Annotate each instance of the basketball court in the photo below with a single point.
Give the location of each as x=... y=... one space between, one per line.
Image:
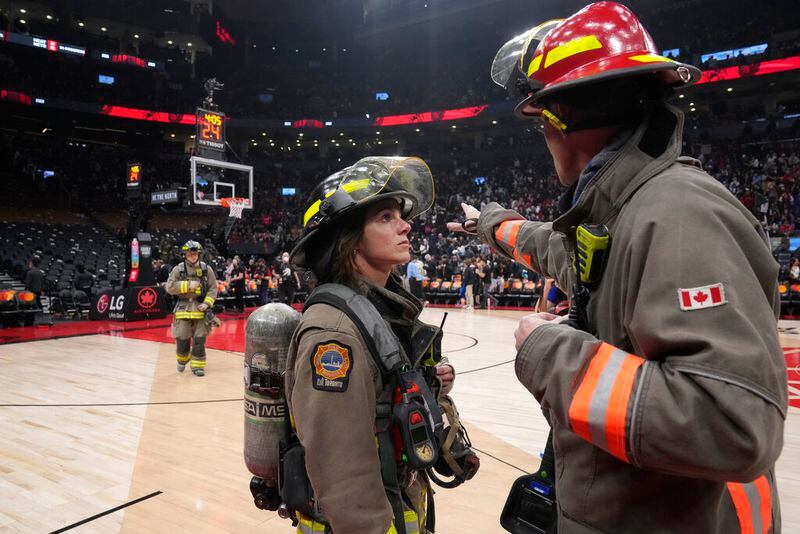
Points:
x=101 y=434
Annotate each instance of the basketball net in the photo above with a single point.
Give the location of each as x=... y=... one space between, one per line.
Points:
x=235 y=204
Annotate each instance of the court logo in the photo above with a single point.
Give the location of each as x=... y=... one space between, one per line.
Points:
x=147 y=298
x=102 y=303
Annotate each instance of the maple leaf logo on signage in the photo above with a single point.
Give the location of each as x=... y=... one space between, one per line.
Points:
x=147 y=298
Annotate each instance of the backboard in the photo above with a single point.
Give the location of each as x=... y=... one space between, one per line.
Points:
x=213 y=180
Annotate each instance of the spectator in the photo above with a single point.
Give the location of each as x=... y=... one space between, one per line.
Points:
x=237 y=284
x=288 y=280
x=34 y=279
x=160 y=272
x=262 y=273
x=552 y=299
x=794 y=271
x=414 y=277
x=83 y=281
x=486 y=274
x=470 y=280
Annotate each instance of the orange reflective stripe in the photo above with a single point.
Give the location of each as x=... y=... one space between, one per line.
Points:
x=618 y=406
x=579 y=408
x=599 y=409
x=524 y=259
x=507 y=232
x=742 y=506
x=753 y=505
x=765 y=496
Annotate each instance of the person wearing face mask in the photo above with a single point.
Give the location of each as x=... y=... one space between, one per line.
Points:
x=353 y=354
x=666 y=386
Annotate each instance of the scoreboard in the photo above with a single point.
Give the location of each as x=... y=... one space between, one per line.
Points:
x=210 y=130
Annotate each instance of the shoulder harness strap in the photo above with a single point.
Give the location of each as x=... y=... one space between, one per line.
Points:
x=385 y=350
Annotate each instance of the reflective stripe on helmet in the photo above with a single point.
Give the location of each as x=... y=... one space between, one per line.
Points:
x=571 y=48
x=534 y=66
x=348 y=187
x=650 y=58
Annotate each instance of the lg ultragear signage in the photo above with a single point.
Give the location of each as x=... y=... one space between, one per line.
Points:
x=130 y=304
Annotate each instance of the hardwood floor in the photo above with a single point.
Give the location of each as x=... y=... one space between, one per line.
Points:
x=91 y=423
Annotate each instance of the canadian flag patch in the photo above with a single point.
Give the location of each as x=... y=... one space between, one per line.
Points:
x=698 y=298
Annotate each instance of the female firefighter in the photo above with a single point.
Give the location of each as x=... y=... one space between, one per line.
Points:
x=356 y=234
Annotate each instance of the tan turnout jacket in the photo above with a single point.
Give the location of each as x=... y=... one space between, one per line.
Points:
x=186 y=307
x=335 y=417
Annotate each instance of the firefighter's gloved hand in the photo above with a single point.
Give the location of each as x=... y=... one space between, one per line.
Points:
x=194 y=284
x=203 y=307
x=531 y=322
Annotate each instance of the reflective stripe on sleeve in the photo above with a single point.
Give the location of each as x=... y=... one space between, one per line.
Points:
x=599 y=408
x=507 y=232
x=753 y=504
x=209 y=300
x=524 y=259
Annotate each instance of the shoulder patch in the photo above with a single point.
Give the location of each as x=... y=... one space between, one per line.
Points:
x=331 y=365
x=697 y=298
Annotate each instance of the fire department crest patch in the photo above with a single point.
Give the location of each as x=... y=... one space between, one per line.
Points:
x=331 y=366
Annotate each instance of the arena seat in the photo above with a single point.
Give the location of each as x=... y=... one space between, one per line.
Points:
x=17 y=307
x=432 y=293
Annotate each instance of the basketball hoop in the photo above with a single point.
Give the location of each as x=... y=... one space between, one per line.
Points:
x=236 y=205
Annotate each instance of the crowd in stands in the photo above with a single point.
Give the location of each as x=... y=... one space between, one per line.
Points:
x=334 y=84
x=764 y=176
x=761 y=167
x=447 y=267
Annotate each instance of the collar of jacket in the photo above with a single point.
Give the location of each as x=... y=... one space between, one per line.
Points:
x=598 y=162
x=654 y=146
x=398 y=306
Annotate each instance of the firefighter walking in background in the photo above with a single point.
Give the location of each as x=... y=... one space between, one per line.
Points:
x=195 y=286
x=666 y=387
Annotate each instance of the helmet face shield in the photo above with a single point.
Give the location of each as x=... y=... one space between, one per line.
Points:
x=192 y=246
x=370 y=177
x=512 y=61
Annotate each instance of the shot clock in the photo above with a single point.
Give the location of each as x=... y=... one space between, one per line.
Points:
x=210 y=132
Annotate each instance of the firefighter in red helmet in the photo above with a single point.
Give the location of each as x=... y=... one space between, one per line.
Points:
x=666 y=385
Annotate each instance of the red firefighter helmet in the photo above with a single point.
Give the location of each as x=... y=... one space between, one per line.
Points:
x=602 y=41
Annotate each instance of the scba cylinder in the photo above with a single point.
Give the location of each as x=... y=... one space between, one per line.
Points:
x=267 y=336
